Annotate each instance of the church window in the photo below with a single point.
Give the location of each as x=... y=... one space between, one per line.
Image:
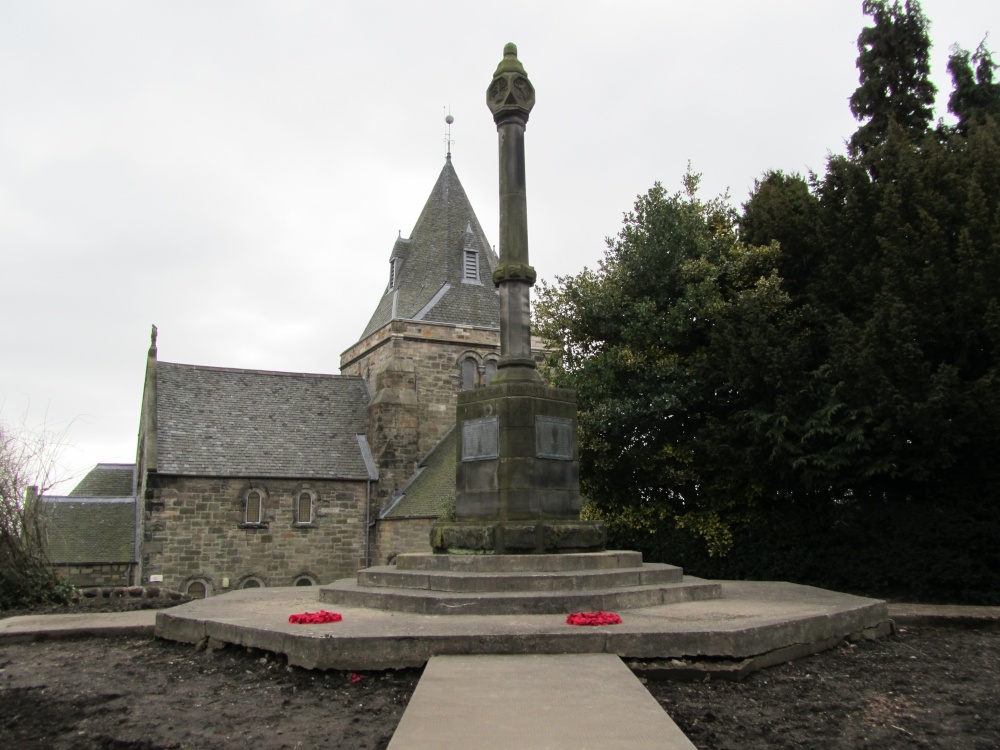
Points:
x=468 y=374
x=304 y=507
x=253 y=507
x=252 y=583
x=304 y=581
x=491 y=370
x=196 y=589
x=392 y=273
x=470 y=267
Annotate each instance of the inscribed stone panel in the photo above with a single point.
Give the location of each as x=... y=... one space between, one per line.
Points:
x=553 y=438
x=480 y=439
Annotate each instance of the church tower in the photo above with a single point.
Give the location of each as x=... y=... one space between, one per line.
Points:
x=435 y=331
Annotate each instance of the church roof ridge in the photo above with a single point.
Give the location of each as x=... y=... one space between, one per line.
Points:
x=254 y=371
x=86 y=499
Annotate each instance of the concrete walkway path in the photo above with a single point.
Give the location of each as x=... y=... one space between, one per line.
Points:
x=39 y=627
x=543 y=702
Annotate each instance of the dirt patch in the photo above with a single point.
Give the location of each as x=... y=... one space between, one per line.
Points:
x=923 y=688
x=143 y=694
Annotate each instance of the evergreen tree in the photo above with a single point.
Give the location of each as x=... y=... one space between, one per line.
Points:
x=894 y=73
x=818 y=378
x=975 y=95
x=667 y=342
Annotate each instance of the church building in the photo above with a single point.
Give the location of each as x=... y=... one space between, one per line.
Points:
x=249 y=478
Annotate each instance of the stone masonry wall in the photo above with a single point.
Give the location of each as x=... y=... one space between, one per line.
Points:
x=399 y=535
x=433 y=353
x=194 y=530
x=97 y=574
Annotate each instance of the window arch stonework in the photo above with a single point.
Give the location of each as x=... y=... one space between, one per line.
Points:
x=254 y=508
x=198 y=588
x=304 y=507
x=476 y=370
x=469 y=369
x=252 y=582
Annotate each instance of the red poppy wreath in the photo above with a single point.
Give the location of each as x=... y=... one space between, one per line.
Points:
x=593 y=618
x=314 y=618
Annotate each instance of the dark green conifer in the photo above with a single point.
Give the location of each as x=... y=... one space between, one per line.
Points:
x=894 y=73
x=974 y=96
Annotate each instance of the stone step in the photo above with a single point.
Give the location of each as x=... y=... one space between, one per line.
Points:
x=612 y=559
x=389 y=576
x=348 y=593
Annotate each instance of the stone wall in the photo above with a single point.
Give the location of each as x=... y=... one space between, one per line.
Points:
x=399 y=535
x=424 y=358
x=194 y=530
x=97 y=574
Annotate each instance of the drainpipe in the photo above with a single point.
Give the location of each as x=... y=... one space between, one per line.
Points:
x=368 y=524
x=366 y=455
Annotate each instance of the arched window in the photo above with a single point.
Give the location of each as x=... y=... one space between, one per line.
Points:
x=304 y=507
x=254 y=507
x=304 y=581
x=252 y=583
x=491 y=370
x=469 y=372
x=196 y=589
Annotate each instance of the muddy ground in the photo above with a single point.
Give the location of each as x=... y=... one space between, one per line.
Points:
x=922 y=688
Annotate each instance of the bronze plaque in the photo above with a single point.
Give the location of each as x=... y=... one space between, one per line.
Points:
x=480 y=439
x=554 y=438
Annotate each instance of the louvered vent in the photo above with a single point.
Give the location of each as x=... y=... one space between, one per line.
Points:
x=471 y=265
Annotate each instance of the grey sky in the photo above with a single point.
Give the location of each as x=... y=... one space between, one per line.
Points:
x=236 y=172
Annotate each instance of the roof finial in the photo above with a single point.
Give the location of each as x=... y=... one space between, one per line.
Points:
x=447 y=139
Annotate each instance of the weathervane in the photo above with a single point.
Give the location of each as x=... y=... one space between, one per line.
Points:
x=449 y=120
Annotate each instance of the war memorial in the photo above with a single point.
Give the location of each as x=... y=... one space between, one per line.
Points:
x=517 y=558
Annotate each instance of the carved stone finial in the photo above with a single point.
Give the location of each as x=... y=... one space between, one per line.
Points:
x=510 y=93
x=152 y=338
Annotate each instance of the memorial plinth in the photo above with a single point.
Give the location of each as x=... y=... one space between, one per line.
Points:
x=518 y=470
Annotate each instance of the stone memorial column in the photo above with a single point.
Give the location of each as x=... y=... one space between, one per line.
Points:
x=510 y=97
x=517 y=475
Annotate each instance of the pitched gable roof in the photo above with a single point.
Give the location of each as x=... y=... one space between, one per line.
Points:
x=429 y=267
x=431 y=491
x=106 y=480
x=88 y=530
x=226 y=422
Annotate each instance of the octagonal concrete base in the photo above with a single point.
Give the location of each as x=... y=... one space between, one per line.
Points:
x=761 y=622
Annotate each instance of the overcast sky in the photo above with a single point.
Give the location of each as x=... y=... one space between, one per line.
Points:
x=236 y=172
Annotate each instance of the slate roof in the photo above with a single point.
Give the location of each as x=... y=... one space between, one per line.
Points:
x=106 y=480
x=429 y=274
x=88 y=530
x=431 y=492
x=226 y=422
